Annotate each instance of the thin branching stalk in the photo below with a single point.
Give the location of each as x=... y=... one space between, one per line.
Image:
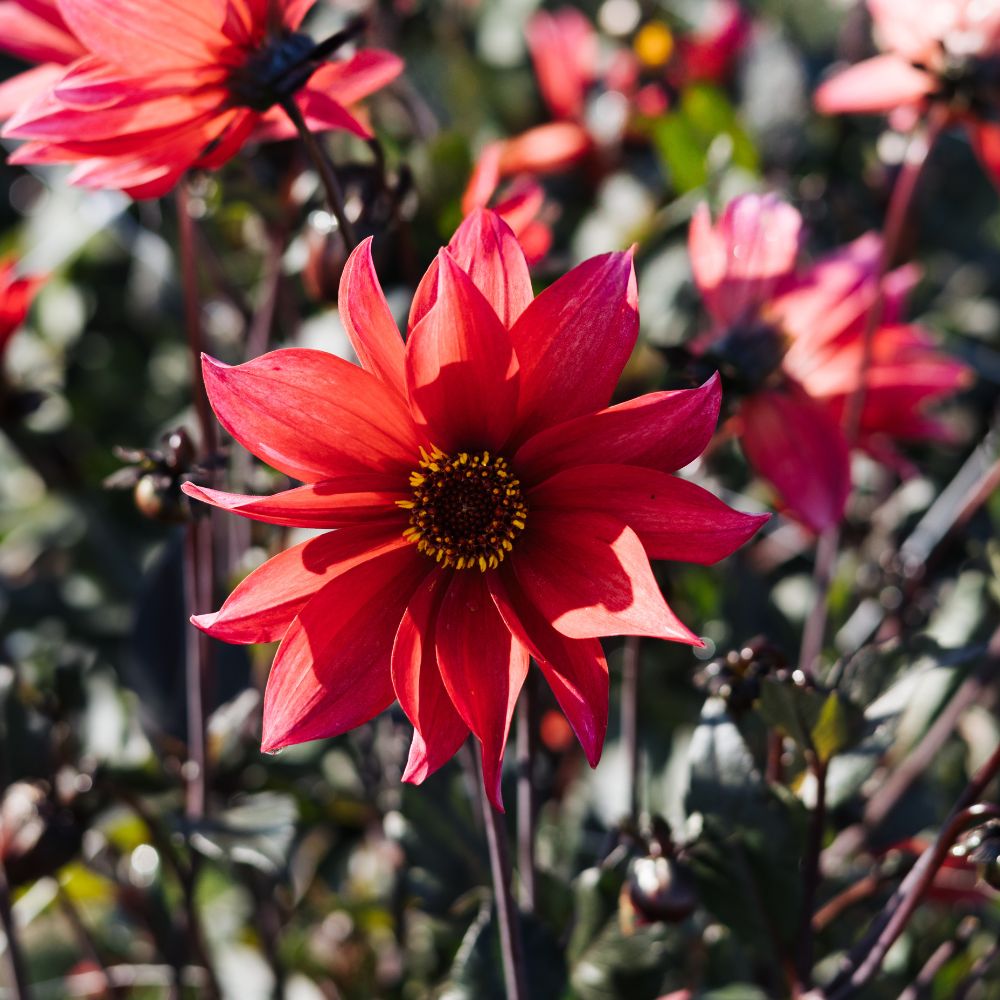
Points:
x=508 y=919
x=527 y=811
x=327 y=174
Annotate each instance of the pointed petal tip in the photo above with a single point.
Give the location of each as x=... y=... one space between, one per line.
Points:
x=205 y=622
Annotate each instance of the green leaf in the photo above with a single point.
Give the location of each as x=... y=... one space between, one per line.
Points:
x=822 y=723
x=839 y=727
x=701 y=135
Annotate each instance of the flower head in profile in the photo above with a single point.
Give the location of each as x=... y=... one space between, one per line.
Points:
x=485 y=504
x=941 y=53
x=163 y=87
x=16 y=296
x=793 y=343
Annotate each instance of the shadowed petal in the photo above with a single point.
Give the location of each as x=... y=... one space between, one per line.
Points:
x=332 y=669
x=438 y=729
x=312 y=415
x=795 y=443
x=330 y=504
x=573 y=340
x=575 y=669
x=368 y=321
x=881 y=83
x=661 y=430
x=460 y=368
x=673 y=518
x=263 y=606
x=589 y=576
x=483 y=668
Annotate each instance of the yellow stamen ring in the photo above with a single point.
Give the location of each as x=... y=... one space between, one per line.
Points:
x=467 y=509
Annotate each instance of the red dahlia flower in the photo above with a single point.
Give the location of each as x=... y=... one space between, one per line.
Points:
x=34 y=30
x=16 y=295
x=488 y=505
x=944 y=52
x=794 y=343
x=171 y=85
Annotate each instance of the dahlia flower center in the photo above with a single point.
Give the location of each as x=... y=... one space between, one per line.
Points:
x=750 y=354
x=467 y=509
x=274 y=71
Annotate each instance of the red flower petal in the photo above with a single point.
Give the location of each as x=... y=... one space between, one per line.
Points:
x=589 y=575
x=26 y=87
x=332 y=669
x=328 y=504
x=368 y=321
x=438 y=729
x=311 y=415
x=488 y=251
x=574 y=339
x=545 y=149
x=575 y=669
x=263 y=606
x=673 y=518
x=661 y=430
x=148 y=37
x=881 y=83
x=36 y=33
x=350 y=80
x=322 y=111
x=483 y=668
x=796 y=444
x=460 y=368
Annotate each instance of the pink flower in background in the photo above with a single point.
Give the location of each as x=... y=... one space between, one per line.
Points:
x=167 y=86
x=487 y=504
x=795 y=340
x=16 y=295
x=937 y=52
x=34 y=30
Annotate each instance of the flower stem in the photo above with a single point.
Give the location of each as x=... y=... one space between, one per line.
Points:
x=526 y=801
x=328 y=176
x=900 y=204
x=815 y=627
x=19 y=987
x=630 y=721
x=811 y=873
x=199 y=546
x=508 y=919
